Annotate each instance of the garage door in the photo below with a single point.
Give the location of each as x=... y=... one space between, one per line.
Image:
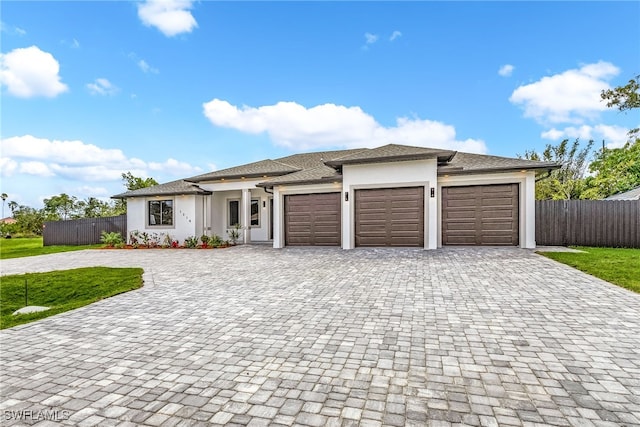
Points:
x=480 y=215
x=390 y=217
x=312 y=219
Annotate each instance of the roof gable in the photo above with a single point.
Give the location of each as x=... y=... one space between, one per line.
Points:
x=391 y=153
x=251 y=170
x=168 y=189
x=470 y=163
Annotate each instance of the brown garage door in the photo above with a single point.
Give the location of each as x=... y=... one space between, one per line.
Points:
x=312 y=219
x=480 y=215
x=390 y=217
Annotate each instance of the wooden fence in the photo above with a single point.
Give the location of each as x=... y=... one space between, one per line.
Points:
x=606 y=223
x=84 y=231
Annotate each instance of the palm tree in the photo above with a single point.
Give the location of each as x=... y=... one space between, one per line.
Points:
x=4 y=198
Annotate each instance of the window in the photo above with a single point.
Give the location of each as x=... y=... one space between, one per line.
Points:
x=234 y=213
x=161 y=212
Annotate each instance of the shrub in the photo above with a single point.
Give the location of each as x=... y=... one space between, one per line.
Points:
x=191 y=242
x=205 y=240
x=215 y=241
x=112 y=239
x=234 y=233
x=134 y=238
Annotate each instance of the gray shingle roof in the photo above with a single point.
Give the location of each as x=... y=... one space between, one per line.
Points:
x=474 y=163
x=318 y=174
x=633 y=194
x=307 y=168
x=168 y=189
x=312 y=160
x=252 y=170
x=392 y=152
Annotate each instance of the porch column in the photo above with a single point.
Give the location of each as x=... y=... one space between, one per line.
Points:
x=245 y=215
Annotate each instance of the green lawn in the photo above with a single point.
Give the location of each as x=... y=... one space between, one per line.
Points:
x=618 y=266
x=30 y=246
x=62 y=290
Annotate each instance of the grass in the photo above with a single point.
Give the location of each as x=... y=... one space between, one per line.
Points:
x=30 y=246
x=618 y=266
x=62 y=290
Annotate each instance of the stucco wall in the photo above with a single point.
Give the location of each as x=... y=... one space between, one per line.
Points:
x=394 y=174
x=219 y=210
x=186 y=216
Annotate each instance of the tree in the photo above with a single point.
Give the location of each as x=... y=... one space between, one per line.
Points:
x=132 y=183
x=94 y=208
x=615 y=170
x=625 y=97
x=4 y=197
x=29 y=220
x=62 y=206
x=13 y=206
x=568 y=181
x=135 y=183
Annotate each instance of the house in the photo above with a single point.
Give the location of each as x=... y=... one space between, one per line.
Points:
x=8 y=220
x=394 y=195
x=633 y=194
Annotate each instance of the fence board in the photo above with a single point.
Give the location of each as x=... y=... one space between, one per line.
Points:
x=85 y=231
x=606 y=223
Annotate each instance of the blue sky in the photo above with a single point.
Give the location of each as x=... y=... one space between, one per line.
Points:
x=171 y=89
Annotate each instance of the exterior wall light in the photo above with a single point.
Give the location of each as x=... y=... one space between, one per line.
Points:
x=346 y=196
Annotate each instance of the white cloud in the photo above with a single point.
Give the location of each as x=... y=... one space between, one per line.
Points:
x=11 y=30
x=174 y=167
x=294 y=126
x=569 y=97
x=86 y=190
x=68 y=152
x=77 y=160
x=146 y=68
x=35 y=168
x=395 y=35
x=29 y=72
x=171 y=17
x=506 y=70
x=102 y=86
x=7 y=166
x=370 y=38
x=614 y=136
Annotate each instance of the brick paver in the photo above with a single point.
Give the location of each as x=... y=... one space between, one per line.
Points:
x=257 y=336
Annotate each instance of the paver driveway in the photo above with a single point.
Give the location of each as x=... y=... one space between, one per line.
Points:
x=252 y=335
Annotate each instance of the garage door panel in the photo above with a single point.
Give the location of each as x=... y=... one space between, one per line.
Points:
x=480 y=215
x=389 y=216
x=497 y=201
x=497 y=214
x=312 y=219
